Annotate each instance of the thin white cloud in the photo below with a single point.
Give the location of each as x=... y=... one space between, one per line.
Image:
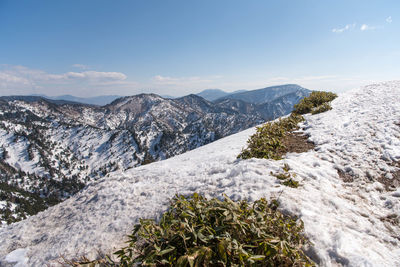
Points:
x=317 y=78
x=25 y=73
x=363 y=27
x=366 y=27
x=81 y=66
x=12 y=79
x=182 y=81
x=23 y=80
x=164 y=79
x=94 y=76
x=345 y=28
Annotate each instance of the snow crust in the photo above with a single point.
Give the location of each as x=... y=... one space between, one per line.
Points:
x=17 y=257
x=344 y=220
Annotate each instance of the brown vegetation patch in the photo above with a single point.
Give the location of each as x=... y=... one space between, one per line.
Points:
x=391 y=184
x=394 y=182
x=295 y=142
x=346 y=177
x=393 y=219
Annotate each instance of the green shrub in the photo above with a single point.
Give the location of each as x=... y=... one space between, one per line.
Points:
x=303 y=107
x=281 y=176
x=313 y=101
x=200 y=232
x=286 y=177
x=267 y=141
x=322 y=108
x=291 y=183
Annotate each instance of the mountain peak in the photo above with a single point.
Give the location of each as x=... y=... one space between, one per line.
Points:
x=212 y=94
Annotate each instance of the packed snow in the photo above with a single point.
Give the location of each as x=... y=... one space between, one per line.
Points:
x=345 y=220
x=17 y=257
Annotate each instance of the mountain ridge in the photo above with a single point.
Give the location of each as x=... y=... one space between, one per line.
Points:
x=96 y=100
x=263 y=95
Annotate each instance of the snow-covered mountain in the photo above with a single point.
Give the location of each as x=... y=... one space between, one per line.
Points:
x=265 y=95
x=257 y=97
x=96 y=100
x=348 y=198
x=49 y=149
x=277 y=106
x=212 y=94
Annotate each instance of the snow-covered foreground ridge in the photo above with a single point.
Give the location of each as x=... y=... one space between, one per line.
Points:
x=346 y=221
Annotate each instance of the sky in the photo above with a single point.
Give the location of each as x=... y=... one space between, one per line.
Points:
x=177 y=47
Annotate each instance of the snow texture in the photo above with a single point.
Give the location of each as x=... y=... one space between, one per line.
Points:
x=344 y=220
x=17 y=257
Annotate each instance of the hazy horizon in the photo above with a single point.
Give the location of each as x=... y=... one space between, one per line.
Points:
x=149 y=92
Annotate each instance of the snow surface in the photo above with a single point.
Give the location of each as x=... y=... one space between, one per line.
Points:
x=344 y=220
x=17 y=257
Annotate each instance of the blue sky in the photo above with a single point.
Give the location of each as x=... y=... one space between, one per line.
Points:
x=96 y=47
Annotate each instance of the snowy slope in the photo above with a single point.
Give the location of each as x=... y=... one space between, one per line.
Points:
x=348 y=222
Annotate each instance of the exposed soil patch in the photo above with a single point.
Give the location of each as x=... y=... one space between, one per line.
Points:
x=393 y=219
x=295 y=142
x=392 y=223
x=275 y=139
x=346 y=177
x=391 y=184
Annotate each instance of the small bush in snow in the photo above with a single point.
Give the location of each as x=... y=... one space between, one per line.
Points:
x=322 y=108
x=200 y=232
x=313 y=103
x=286 y=177
x=267 y=141
x=291 y=183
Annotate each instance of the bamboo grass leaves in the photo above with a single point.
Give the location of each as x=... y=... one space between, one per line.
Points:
x=200 y=232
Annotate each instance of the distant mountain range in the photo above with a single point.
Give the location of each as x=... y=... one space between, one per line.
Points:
x=263 y=95
x=208 y=94
x=254 y=96
x=96 y=100
x=49 y=149
x=214 y=94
